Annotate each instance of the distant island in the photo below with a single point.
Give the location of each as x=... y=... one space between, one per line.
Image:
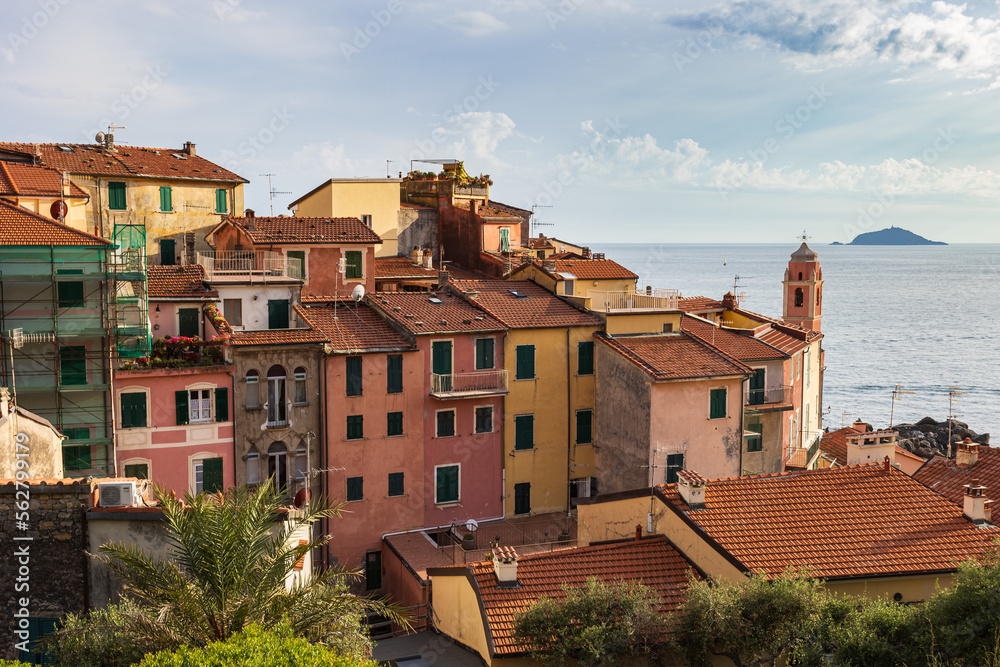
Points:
x=892 y=236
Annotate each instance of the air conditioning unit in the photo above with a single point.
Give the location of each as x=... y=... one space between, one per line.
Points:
x=118 y=494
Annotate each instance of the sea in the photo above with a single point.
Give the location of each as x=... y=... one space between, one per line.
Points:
x=921 y=317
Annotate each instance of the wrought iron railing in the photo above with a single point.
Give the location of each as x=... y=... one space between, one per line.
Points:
x=476 y=382
x=241 y=264
x=768 y=396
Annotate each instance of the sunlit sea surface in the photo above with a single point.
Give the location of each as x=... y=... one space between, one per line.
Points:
x=924 y=317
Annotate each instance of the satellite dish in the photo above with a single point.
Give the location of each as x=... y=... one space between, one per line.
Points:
x=302 y=497
x=99 y=137
x=472 y=525
x=59 y=209
x=358 y=293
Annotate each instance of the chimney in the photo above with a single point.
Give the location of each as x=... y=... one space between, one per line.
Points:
x=248 y=213
x=416 y=256
x=691 y=486
x=873 y=447
x=428 y=259
x=549 y=264
x=859 y=425
x=474 y=206
x=505 y=566
x=443 y=278
x=967 y=454
x=109 y=141
x=189 y=148
x=586 y=253
x=975 y=506
x=729 y=301
x=471 y=294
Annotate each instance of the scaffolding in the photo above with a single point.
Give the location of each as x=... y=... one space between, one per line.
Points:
x=129 y=302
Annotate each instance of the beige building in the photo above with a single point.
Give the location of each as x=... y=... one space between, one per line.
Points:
x=374 y=201
x=28 y=443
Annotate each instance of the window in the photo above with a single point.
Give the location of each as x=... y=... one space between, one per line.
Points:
x=584 y=427
x=441 y=365
x=79 y=433
x=277 y=314
x=73 y=364
x=277 y=464
x=199 y=406
x=353 y=268
x=525 y=366
x=668 y=327
x=394 y=374
x=484 y=419
x=675 y=463
x=585 y=357
x=568 y=287
x=354 y=385
x=753 y=436
x=70 y=293
x=355 y=427
x=221 y=201
x=522 y=498
x=253 y=468
x=373 y=570
x=798 y=297
x=38 y=629
x=296 y=263
x=166 y=199
x=76 y=457
x=116 y=196
x=394 y=423
x=137 y=470
x=395 y=484
x=367 y=219
x=300 y=386
x=445 y=423
x=717 y=404
x=168 y=252
x=756 y=395
x=208 y=475
x=807 y=367
x=446 y=483
x=277 y=407
x=355 y=488
x=524 y=432
x=301 y=462
x=134 y=410
x=484 y=353
x=504 y=239
x=222 y=404
x=187 y=322
x=253 y=389
x=232 y=310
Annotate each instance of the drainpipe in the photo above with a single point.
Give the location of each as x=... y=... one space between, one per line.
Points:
x=570 y=447
x=744 y=388
x=236 y=457
x=324 y=525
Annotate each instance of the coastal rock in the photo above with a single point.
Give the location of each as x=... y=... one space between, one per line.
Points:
x=929 y=437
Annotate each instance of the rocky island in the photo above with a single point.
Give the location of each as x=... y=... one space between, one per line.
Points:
x=892 y=236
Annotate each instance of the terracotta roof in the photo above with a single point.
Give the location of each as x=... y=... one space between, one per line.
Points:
x=539 y=309
x=698 y=304
x=739 y=346
x=585 y=269
x=354 y=327
x=406 y=204
x=401 y=267
x=124 y=161
x=834 y=444
x=788 y=327
x=418 y=314
x=21 y=227
x=179 y=282
x=520 y=212
x=306 y=230
x=652 y=561
x=28 y=180
x=674 y=356
x=786 y=341
x=277 y=337
x=852 y=521
x=943 y=476
x=493 y=212
x=538 y=243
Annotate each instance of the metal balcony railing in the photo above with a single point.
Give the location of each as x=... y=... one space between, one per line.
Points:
x=476 y=383
x=653 y=299
x=768 y=396
x=242 y=265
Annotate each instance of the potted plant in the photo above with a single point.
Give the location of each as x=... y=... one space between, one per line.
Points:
x=469 y=541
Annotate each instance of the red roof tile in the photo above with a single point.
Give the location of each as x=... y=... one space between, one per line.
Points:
x=674 y=356
x=943 y=476
x=653 y=562
x=21 y=227
x=27 y=180
x=124 y=161
x=739 y=346
x=418 y=314
x=354 y=327
x=401 y=267
x=842 y=522
x=698 y=304
x=834 y=444
x=277 y=337
x=538 y=309
x=179 y=282
x=306 y=230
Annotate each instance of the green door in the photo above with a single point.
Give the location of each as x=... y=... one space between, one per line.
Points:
x=168 y=250
x=441 y=363
x=187 y=322
x=757 y=387
x=211 y=471
x=277 y=314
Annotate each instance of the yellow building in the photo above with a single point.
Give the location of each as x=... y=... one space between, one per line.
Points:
x=548 y=421
x=592 y=279
x=374 y=201
x=174 y=193
x=45 y=191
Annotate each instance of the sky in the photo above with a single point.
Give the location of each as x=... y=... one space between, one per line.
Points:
x=621 y=121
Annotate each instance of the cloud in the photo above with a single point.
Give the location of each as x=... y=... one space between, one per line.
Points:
x=477 y=133
x=474 y=24
x=324 y=158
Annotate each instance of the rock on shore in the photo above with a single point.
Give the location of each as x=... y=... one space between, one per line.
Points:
x=928 y=437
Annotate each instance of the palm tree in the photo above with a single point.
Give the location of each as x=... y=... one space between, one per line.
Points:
x=229 y=559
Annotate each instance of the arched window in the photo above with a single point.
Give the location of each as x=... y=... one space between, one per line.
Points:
x=277 y=408
x=277 y=464
x=253 y=389
x=800 y=275
x=799 y=297
x=301 y=462
x=819 y=296
x=300 y=385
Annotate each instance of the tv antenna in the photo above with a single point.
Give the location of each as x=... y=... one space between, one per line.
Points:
x=534 y=223
x=738 y=285
x=953 y=394
x=896 y=393
x=272 y=191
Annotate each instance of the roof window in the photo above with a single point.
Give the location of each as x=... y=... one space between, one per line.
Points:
x=435 y=301
x=66 y=149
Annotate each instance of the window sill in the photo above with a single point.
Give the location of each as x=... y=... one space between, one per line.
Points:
x=442 y=437
x=524 y=379
x=448 y=504
x=300 y=405
x=524 y=449
x=361 y=439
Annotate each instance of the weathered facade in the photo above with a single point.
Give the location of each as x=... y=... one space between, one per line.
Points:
x=28 y=443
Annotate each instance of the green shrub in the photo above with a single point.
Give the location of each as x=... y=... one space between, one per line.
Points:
x=100 y=639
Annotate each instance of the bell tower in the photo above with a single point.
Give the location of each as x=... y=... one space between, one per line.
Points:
x=803 y=289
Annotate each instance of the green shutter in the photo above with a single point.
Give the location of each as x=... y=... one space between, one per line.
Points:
x=277 y=314
x=373 y=570
x=181 y=402
x=394 y=423
x=166 y=199
x=116 y=196
x=584 y=427
x=134 y=410
x=76 y=457
x=355 y=427
x=585 y=360
x=524 y=432
x=394 y=374
x=168 y=252
x=441 y=357
x=221 y=404
x=355 y=385
x=396 y=484
x=717 y=404
x=70 y=293
x=211 y=475
x=525 y=368
x=447 y=484
x=355 y=488
x=221 y=201
x=354 y=268
x=137 y=470
x=187 y=321
x=484 y=353
x=73 y=364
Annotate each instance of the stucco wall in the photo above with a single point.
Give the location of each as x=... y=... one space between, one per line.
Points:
x=254 y=300
x=35 y=444
x=417 y=227
x=622 y=422
x=355 y=198
x=457 y=613
x=630 y=323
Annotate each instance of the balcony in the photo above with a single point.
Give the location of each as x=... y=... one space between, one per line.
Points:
x=252 y=266
x=803 y=457
x=649 y=300
x=467 y=385
x=772 y=399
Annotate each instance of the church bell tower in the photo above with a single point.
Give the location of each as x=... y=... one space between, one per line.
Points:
x=803 y=289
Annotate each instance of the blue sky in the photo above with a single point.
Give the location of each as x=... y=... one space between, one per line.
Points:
x=635 y=121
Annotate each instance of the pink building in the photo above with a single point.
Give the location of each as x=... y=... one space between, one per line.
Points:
x=177 y=298
x=463 y=386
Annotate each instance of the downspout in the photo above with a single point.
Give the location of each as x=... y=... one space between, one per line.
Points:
x=236 y=457
x=570 y=448
x=744 y=388
x=324 y=525
x=503 y=434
